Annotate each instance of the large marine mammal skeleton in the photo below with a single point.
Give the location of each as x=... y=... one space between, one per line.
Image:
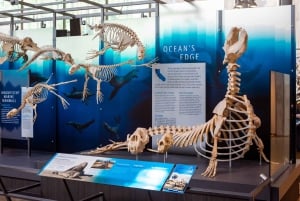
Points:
x=15 y=48
x=117 y=37
x=227 y=136
x=37 y=94
x=99 y=73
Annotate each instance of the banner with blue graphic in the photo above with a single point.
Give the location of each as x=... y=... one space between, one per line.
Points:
x=11 y=96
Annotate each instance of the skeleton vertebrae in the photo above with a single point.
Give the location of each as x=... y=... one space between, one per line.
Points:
x=117 y=37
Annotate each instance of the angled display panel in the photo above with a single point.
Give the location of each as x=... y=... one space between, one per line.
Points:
x=112 y=171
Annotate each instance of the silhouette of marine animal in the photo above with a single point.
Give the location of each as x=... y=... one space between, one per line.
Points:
x=113 y=130
x=119 y=81
x=80 y=126
x=77 y=94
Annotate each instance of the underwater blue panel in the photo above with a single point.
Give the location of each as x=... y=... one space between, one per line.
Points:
x=271 y=47
x=41 y=71
x=188 y=33
x=78 y=127
x=127 y=97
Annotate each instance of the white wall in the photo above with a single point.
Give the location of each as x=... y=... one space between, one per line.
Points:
x=229 y=4
x=297 y=23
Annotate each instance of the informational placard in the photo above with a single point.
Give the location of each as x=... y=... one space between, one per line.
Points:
x=26 y=117
x=179 y=178
x=119 y=172
x=178 y=94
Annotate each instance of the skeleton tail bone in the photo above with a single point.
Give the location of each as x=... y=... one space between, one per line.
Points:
x=110 y=147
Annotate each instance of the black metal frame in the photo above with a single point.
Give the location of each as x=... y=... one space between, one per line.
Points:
x=88 y=198
x=17 y=193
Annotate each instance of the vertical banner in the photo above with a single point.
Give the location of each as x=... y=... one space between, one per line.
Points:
x=11 y=84
x=26 y=117
x=178 y=94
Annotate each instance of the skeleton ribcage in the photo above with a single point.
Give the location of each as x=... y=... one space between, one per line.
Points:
x=39 y=94
x=116 y=38
x=235 y=133
x=104 y=73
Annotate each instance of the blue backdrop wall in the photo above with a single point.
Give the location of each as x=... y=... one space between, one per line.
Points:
x=194 y=33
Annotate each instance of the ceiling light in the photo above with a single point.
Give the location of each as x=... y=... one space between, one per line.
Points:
x=252 y=4
x=238 y=4
x=43 y=25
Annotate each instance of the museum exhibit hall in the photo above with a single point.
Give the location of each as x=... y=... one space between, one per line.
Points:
x=143 y=100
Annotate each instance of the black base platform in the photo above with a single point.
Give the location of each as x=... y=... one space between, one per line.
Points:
x=239 y=180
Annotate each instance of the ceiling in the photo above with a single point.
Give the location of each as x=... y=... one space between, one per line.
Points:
x=20 y=11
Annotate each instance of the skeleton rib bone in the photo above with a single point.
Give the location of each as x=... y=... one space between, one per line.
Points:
x=232 y=129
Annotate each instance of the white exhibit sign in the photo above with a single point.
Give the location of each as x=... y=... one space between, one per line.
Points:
x=178 y=97
x=178 y=94
x=26 y=117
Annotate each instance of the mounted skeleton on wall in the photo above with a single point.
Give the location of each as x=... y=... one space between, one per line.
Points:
x=38 y=94
x=227 y=136
x=49 y=53
x=117 y=37
x=99 y=73
x=15 y=48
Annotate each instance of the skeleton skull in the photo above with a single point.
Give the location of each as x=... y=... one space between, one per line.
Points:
x=141 y=52
x=28 y=44
x=165 y=143
x=137 y=141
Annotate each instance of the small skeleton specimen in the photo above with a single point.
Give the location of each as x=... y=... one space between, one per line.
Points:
x=99 y=73
x=15 y=48
x=47 y=53
x=117 y=37
x=37 y=94
x=227 y=136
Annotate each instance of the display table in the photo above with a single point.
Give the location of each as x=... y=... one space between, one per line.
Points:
x=239 y=182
